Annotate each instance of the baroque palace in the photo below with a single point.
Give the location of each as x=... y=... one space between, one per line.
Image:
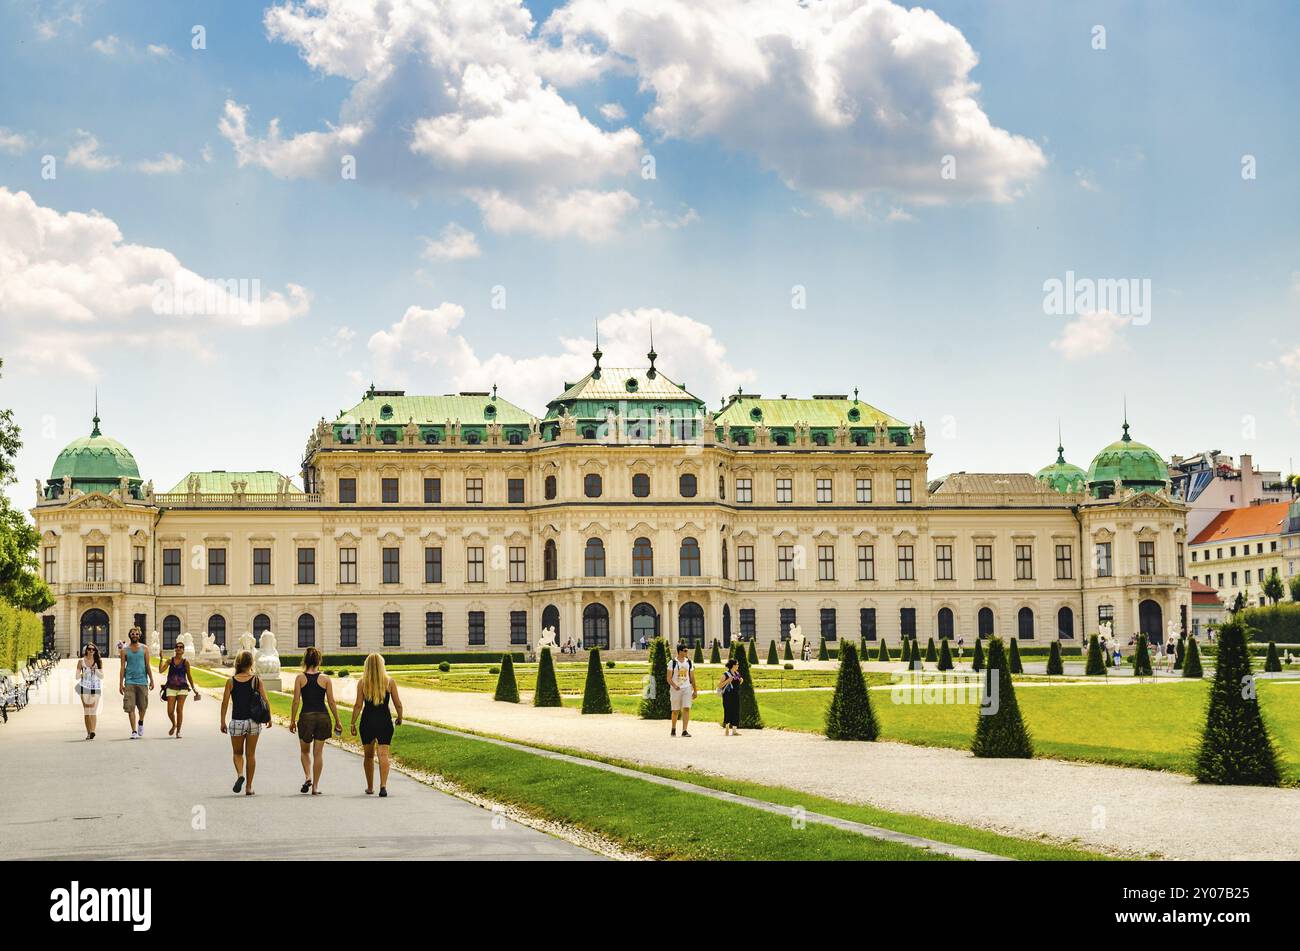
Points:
x=463 y=522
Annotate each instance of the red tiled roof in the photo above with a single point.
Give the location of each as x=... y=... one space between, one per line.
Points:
x=1246 y=522
x=1198 y=588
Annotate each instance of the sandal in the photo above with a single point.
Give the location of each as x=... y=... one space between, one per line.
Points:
x=239 y=784
x=306 y=787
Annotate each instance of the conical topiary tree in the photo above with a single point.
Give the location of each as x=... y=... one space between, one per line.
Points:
x=753 y=652
x=883 y=653
x=917 y=655
x=715 y=657
x=789 y=652
x=507 y=689
x=931 y=654
x=547 y=692
x=1013 y=661
x=656 y=702
x=977 y=662
x=749 y=716
x=595 y=695
x=999 y=730
x=945 y=655
x=850 y=716
x=822 y=653
x=1142 y=657
x=1096 y=663
x=1192 y=662
x=771 y=653
x=1235 y=749
x=1272 y=663
x=1180 y=653
x=698 y=656
x=1054 y=665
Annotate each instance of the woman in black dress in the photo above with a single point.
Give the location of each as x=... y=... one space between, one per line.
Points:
x=377 y=689
x=729 y=688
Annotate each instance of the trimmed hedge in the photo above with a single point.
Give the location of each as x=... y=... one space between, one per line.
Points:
x=21 y=636
x=789 y=652
x=977 y=662
x=883 y=653
x=1235 y=748
x=595 y=695
x=822 y=654
x=698 y=656
x=945 y=655
x=715 y=656
x=1016 y=666
x=656 y=704
x=1272 y=663
x=1142 y=657
x=1274 y=622
x=850 y=716
x=356 y=660
x=1054 y=665
x=753 y=652
x=749 y=715
x=1180 y=653
x=1002 y=733
x=1096 y=663
x=1192 y=662
x=547 y=693
x=931 y=655
x=507 y=688
x=771 y=653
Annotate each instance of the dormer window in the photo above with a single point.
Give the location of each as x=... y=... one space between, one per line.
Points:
x=854 y=414
x=756 y=414
x=431 y=438
x=860 y=439
x=631 y=384
x=589 y=432
x=490 y=410
x=389 y=437
x=515 y=438
x=819 y=439
x=386 y=411
x=741 y=439
x=472 y=438
x=781 y=439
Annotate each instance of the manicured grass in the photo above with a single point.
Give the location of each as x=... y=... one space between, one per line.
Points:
x=625 y=679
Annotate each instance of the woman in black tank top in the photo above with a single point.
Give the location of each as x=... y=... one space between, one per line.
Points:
x=313 y=693
x=376 y=691
x=242 y=728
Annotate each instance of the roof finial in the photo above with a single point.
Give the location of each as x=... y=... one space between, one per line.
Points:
x=652 y=372
x=1126 y=437
x=1060 y=446
x=95 y=430
x=855 y=394
x=595 y=374
x=494 y=392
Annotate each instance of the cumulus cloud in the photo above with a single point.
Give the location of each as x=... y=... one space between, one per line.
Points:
x=1090 y=335
x=77 y=269
x=583 y=213
x=165 y=164
x=15 y=143
x=85 y=153
x=454 y=243
x=613 y=112
x=426 y=341
x=839 y=98
x=110 y=45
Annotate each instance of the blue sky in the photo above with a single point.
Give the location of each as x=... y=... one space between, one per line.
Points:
x=1116 y=163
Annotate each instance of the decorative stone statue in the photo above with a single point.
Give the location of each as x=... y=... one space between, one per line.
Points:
x=548 y=639
x=796 y=641
x=210 y=653
x=155 y=645
x=247 y=643
x=39 y=494
x=188 y=640
x=266 y=662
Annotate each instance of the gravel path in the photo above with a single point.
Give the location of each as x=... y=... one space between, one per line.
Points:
x=1108 y=808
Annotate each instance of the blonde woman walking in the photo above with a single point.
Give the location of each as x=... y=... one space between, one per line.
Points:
x=244 y=728
x=377 y=689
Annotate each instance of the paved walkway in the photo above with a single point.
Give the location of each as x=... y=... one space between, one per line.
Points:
x=1117 y=809
x=163 y=798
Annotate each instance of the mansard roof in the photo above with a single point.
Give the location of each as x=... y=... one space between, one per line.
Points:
x=221 y=480
x=395 y=408
x=744 y=409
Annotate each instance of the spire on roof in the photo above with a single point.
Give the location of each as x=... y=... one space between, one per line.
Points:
x=494 y=392
x=855 y=394
x=595 y=374
x=95 y=430
x=652 y=372
x=1126 y=437
x=1060 y=448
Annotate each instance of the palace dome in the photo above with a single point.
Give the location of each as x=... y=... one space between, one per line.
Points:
x=1133 y=463
x=95 y=462
x=1061 y=475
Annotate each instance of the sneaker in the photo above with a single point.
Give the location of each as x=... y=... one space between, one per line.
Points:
x=141 y=731
x=673 y=733
x=684 y=733
x=135 y=735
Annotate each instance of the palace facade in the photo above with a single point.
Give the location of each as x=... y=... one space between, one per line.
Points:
x=463 y=522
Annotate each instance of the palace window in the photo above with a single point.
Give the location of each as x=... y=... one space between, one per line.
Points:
x=474 y=491
x=902 y=491
x=690 y=558
x=906 y=565
x=518 y=564
x=433 y=491
x=863 y=490
x=785 y=490
x=171 y=565
x=515 y=491
x=347 y=491
x=726 y=568
x=640 y=485
x=594 y=559
x=788 y=620
x=52 y=564
x=687 y=486
x=643 y=558
x=433 y=566
x=744 y=490
x=828 y=623
x=866 y=562
x=1103 y=561
x=907 y=622
x=306 y=565
x=825 y=492
x=216 y=566
x=171 y=631
x=945 y=623
x=477 y=629
x=983 y=562
x=984 y=622
x=518 y=627
x=1025 y=624
x=550 y=561
x=261 y=566
x=1146 y=558
x=867 y=623
x=1182 y=558
x=474 y=565
x=1064 y=562
x=591 y=485
x=306 y=631
x=432 y=628
x=943 y=562
x=347 y=566
x=347 y=629
x=548 y=487
x=748 y=625
x=392 y=566
x=392 y=629
x=722 y=488
x=785 y=563
x=1024 y=562
x=1105 y=614
x=744 y=562
x=825 y=562
x=137 y=563
x=388 y=492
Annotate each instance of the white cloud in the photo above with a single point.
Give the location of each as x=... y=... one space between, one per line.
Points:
x=1090 y=335
x=109 y=45
x=308 y=154
x=656 y=219
x=582 y=213
x=84 y=153
x=454 y=243
x=840 y=98
x=613 y=112
x=161 y=50
x=15 y=143
x=76 y=269
x=427 y=342
x=341 y=342
x=900 y=214
x=165 y=164
x=1085 y=181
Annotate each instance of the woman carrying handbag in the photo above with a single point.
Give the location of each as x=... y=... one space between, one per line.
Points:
x=250 y=713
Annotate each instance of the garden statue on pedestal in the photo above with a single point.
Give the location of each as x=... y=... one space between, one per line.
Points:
x=188 y=640
x=210 y=652
x=248 y=643
x=548 y=639
x=155 y=645
x=796 y=641
x=266 y=664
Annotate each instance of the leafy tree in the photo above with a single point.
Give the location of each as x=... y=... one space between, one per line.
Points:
x=1000 y=733
x=945 y=655
x=883 y=653
x=1236 y=749
x=1142 y=657
x=1096 y=662
x=1016 y=666
x=1054 y=665
x=771 y=653
x=656 y=702
x=850 y=716
x=714 y=656
x=507 y=688
x=1192 y=662
x=595 y=695
x=931 y=655
x=977 y=662
x=1272 y=663
x=822 y=653
x=547 y=692
x=1295 y=588
x=753 y=652
x=1273 y=587
x=749 y=716
x=20 y=581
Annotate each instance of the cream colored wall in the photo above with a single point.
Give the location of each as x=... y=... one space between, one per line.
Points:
x=1258 y=564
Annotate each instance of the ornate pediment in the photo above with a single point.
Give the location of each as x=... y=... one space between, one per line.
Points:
x=95 y=500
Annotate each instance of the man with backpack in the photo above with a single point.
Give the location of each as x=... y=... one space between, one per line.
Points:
x=682 y=690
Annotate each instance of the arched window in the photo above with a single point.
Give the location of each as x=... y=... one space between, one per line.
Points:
x=217 y=628
x=645 y=623
x=945 y=623
x=389 y=437
x=690 y=624
x=306 y=631
x=725 y=569
x=641 y=485
x=819 y=439
x=594 y=558
x=551 y=619
x=595 y=627
x=690 y=558
x=687 y=485
x=1065 y=623
x=589 y=432
x=591 y=485
x=741 y=438
x=1025 y=624
x=431 y=438
x=781 y=439
x=643 y=558
x=171 y=631
x=986 y=622
x=550 y=561
x=515 y=438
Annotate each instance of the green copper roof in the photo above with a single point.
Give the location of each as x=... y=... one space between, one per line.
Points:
x=1129 y=461
x=219 y=480
x=630 y=392
x=1062 y=476
x=823 y=412
x=398 y=409
x=95 y=458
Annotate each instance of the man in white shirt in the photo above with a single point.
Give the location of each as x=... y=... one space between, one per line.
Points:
x=682 y=690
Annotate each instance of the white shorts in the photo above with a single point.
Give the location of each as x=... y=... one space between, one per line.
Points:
x=681 y=699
